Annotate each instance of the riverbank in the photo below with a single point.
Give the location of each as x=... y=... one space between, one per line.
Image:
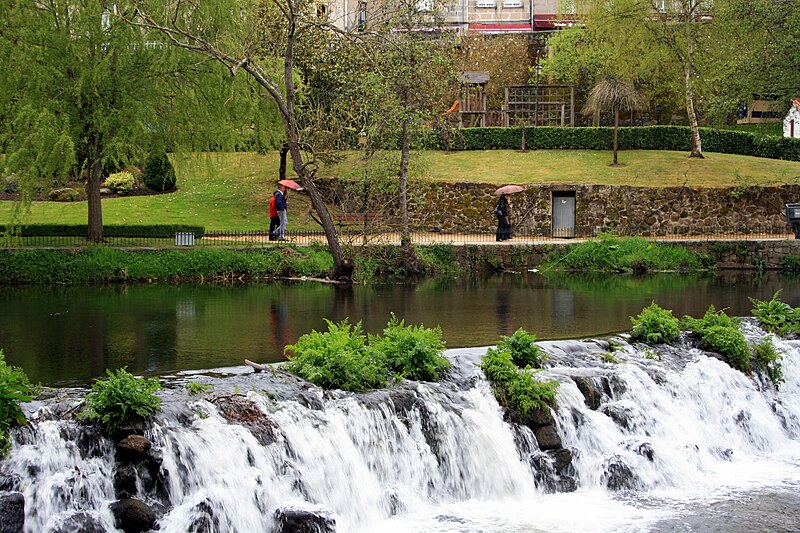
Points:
x=99 y=264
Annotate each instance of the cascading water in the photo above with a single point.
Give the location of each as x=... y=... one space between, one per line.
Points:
x=666 y=440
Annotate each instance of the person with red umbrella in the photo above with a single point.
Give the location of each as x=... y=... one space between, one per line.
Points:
x=280 y=208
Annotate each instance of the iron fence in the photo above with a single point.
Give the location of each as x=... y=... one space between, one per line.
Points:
x=260 y=238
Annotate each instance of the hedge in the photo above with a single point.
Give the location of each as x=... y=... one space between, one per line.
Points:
x=110 y=230
x=676 y=138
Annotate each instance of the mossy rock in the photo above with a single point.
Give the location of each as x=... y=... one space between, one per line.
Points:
x=64 y=194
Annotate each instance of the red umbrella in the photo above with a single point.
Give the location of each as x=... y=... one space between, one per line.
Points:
x=509 y=189
x=291 y=184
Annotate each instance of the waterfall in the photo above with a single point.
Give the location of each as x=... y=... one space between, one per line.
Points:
x=649 y=436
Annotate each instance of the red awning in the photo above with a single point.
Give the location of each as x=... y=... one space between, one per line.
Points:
x=511 y=27
x=552 y=21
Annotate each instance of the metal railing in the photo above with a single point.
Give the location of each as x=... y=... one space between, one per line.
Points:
x=546 y=234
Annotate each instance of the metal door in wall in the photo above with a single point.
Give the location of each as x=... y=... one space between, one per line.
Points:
x=563 y=214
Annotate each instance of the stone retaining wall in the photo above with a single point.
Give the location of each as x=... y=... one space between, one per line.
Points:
x=468 y=206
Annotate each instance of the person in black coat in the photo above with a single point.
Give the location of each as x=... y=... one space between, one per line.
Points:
x=503 y=214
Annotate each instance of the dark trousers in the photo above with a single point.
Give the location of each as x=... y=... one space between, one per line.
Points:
x=274 y=222
x=503 y=229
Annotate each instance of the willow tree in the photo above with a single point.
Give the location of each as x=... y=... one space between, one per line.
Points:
x=84 y=95
x=615 y=95
x=260 y=39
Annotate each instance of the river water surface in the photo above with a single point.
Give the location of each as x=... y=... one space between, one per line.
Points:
x=70 y=335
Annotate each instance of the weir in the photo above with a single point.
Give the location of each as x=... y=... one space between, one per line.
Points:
x=661 y=437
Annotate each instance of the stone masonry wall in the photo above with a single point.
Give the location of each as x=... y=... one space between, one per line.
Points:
x=468 y=206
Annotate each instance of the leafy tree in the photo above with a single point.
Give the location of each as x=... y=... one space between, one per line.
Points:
x=84 y=94
x=263 y=40
x=611 y=94
x=646 y=40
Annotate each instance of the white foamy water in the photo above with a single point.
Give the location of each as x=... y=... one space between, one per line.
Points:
x=679 y=439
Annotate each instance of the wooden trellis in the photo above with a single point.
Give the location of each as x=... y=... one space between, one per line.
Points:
x=540 y=105
x=472 y=108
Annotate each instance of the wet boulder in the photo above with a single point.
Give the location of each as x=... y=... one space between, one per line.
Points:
x=548 y=438
x=300 y=520
x=133 y=449
x=12 y=512
x=125 y=480
x=618 y=475
x=80 y=521
x=593 y=393
x=132 y=515
x=244 y=412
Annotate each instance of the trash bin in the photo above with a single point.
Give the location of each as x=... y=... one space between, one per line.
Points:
x=186 y=238
x=793 y=218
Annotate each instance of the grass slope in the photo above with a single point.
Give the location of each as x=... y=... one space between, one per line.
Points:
x=231 y=191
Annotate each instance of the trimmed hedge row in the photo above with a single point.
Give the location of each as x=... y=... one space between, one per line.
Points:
x=110 y=230
x=676 y=138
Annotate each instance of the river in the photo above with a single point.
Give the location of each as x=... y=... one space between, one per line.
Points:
x=69 y=335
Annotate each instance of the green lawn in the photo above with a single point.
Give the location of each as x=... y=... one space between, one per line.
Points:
x=231 y=191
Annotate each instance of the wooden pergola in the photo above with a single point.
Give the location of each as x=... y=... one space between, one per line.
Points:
x=540 y=105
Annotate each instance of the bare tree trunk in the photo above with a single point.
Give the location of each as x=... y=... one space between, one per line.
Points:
x=697 y=150
x=282 y=168
x=405 y=156
x=342 y=268
x=95 y=224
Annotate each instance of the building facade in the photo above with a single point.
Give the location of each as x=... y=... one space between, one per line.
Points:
x=465 y=16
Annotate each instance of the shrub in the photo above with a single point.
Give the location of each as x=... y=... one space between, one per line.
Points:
x=609 y=253
x=768 y=360
x=64 y=194
x=120 y=399
x=790 y=264
x=14 y=388
x=337 y=359
x=195 y=388
x=711 y=319
x=514 y=388
x=411 y=352
x=730 y=343
x=159 y=174
x=776 y=316
x=655 y=325
x=121 y=183
x=524 y=353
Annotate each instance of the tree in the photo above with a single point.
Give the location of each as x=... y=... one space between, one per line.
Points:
x=254 y=38
x=84 y=95
x=413 y=81
x=656 y=45
x=611 y=94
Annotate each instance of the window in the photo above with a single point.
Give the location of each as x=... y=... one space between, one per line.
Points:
x=362 y=16
x=485 y=3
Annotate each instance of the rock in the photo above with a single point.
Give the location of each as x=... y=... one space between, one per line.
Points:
x=132 y=515
x=246 y=413
x=618 y=475
x=82 y=522
x=133 y=449
x=592 y=395
x=548 y=438
x=298 y=520
x=12 y=512
x=125 y=480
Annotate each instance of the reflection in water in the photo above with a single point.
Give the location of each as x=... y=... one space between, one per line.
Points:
x=68 y=335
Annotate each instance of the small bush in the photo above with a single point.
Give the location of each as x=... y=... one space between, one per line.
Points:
x=14 y=388
x=655 y=325
x=514 y=388
x=524 y=353
x=195 y=388
x=64 y=194
x=337 y=359
x=776 y=316
x=730 y=343
x=121 y=183
x=711 y=319
x=411 y=352
x=159 y=174
x=769 y=360
x=121 y=398
x=790 y=264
